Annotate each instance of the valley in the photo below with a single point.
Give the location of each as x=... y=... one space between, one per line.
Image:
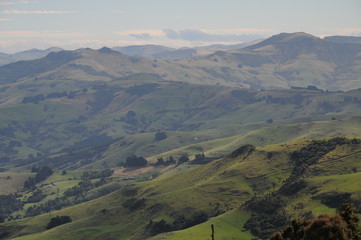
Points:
x=246 y=138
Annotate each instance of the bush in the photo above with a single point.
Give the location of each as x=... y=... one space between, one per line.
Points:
x=57 y=221
x=341 y=226
x=183 y=159
x=133 y=204
x=135 y=161
x=160 y=136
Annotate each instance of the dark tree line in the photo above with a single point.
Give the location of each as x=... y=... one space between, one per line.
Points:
x=88 y=175
x=180 y=222
x=9 y=204
x=42 y=174
x=41 y=97
x=135 y=161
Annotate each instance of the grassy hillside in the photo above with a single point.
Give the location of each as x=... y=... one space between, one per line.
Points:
x=82 y=98
x=281 y=61
x=48 y=120
x=214 y=143
x=268 y=135
x=231 y=191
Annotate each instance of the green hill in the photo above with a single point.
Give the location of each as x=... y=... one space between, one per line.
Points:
x=240 y=191
x=282 y=61
x=49 y=121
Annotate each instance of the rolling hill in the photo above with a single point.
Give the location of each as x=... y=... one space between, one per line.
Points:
x=245 y=139
x=161 y=52
x=39 y=121
x=26 y=55
x=282 y=61
x=299 y=178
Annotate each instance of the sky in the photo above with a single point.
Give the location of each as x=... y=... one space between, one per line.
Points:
x=72 y=24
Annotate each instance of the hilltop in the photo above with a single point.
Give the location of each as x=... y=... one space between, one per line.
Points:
x=282 y=61
x=122 y=146
x=229 y=193
x=26 y=55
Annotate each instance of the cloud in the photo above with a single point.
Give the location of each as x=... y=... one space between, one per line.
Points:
x=140 y=32
x=39 y=34
x=5 y=3
x=142 y=36
x=4 y=19
x=35 y=12
x=171 y=34
x=225 y=35
x=28 y=1
x=350 y=32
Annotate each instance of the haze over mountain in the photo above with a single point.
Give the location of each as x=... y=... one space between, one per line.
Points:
x=282 y=61
x=180 y=120
x=26 y=55
x=161 y=52
x=343 y=39
x=131 y=147
x=146 y=51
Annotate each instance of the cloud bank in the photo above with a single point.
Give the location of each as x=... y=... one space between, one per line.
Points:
x=35 y=12
x=199 y=35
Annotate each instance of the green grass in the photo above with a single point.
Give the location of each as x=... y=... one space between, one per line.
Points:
x=226 y=227
x=221 y=186
x=265 y=136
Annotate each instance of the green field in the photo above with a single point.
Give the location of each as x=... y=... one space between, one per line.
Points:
x=218 y=189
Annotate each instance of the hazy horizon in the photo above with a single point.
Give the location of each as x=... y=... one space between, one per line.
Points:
x=40 y=24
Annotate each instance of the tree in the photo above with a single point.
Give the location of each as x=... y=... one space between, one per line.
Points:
x=135 y=161
x=160 y=161
x=199 y=157
x=160 y=136
x=183 y=159
x=347 y=212
x=171 y=160
x=342 y=226
x=43 y=173
x=57 y=221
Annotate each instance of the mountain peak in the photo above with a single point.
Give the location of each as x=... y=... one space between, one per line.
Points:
x=285 y=37
x=107 y=50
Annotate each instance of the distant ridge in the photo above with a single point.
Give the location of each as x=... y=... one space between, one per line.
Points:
x=282 y=61
x=343 y=39
x=26 y=55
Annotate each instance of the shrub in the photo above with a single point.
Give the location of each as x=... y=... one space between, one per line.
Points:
x=57 y=221
x=135 y=161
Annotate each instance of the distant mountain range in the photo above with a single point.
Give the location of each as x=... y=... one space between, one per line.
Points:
x=343 y=39
x=146 y=51
x=157 y=51
x=26 y=55
x=161 y=52
x=282 y=61
x=242 y=138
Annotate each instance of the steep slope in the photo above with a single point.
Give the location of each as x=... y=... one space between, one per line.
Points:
x=290 y=177
x=15 y=71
